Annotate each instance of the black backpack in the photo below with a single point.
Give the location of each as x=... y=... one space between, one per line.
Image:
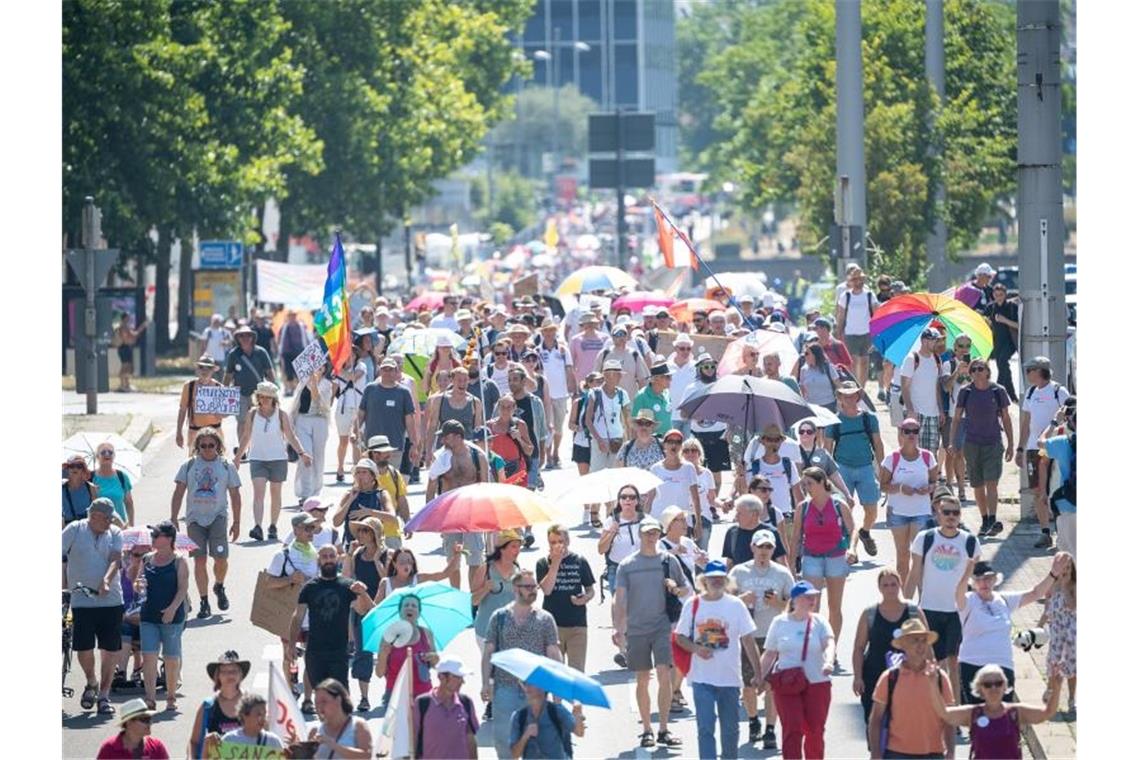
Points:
x=1056 y=391
x=847 y=301
x=928 y=542
x=90 y=492
x=424 y=701
x=865 y=418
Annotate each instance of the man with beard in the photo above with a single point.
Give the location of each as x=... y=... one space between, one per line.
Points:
x=327 y=598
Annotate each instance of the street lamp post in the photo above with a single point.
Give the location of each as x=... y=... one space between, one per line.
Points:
x=552 y=59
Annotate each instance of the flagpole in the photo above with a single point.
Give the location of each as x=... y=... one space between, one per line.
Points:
x=688 y=244
x=410 y=702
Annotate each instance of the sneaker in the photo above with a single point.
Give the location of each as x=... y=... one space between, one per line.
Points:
x=414 y=479
x=996 y=528
x=204 y=610
x=223 y=601
x=256 y=533
x=868 y=542
x=620 y=660
x=363 y=705
x=769 y=738
x=1045 y=542
x=755 y=730
x=528 y=540
x=487 y=714
x=272 y=532
x=307 y=707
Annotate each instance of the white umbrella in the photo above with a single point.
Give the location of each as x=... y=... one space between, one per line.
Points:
x=603 y=486
x=823 y=416
x=127 y=457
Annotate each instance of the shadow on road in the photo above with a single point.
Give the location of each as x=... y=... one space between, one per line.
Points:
x=208 y=622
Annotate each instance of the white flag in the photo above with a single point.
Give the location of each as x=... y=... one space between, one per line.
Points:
x=285 y=714
x=397 y=724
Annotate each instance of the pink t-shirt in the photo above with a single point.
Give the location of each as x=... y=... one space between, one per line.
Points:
x=421 y=673
x=584 y=352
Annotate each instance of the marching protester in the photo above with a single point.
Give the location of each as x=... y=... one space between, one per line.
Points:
x=388 y=408
x=113 y=483
x=853 y=312
x=856 y=447
x=164 y=577
x=310 y=418
x=1063 y=450
x=619 y=538
x=459 y=463
x=365 y=499
x=221 y=713
x=493 y=588
x=753 y=515
x=920 y=373
x=1061 y=616
x=567 y=584
x=340 y=733
x=444 y=719
x=389 y=478
x=608 y=418
x=1002 y=316
x=1042 y=399
x=908 y=477
x=253 y=711
x=248 y=365
x=349 y=388
x=713 y=434
x=874 y=636
x=817 y=377
x=291 y=568
x=188 y=418
x=133 y=739
x=390 y=659
x=643 y=450
x=682 y=373
x=78 y=489
x=266 y=432
x=528 y=737
x=367 y=564
x=958 y=379
x=403 y=571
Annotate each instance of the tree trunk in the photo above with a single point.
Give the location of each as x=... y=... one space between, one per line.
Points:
x=185 y=290
x=283 y=232
x=161 y=324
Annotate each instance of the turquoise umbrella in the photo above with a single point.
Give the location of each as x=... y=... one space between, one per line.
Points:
x=444 y=610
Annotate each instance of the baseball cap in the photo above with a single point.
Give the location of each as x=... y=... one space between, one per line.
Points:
x=302 y=518
x=801 y=588
x=983 y=269
x=822 y=322
x=102 y=505
x=649 y=524
x=931 y=334
x=763 y=537
x=715 y=569
x=673 y=434
x=313 y=503
x=1039 y=362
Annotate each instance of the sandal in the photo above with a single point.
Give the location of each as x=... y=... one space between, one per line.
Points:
x=105 y=706
x=171 y=705
x=666 y=739
x=87 y=700
x=647 y=740
x=149 y=704
x=595 y=521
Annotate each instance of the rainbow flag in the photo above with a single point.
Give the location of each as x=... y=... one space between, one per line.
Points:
x=332 y=320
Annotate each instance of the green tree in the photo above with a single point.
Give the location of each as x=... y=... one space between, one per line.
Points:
x=515 y=203
x=531 y=126
x=776 y=91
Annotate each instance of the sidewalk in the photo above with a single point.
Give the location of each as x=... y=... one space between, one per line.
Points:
x=136 y=428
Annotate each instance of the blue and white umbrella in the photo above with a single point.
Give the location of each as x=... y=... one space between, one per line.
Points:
x=552 y=676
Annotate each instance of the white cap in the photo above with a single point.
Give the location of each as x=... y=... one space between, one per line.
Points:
x=682 y=339
x=985 y=269
x=454 y=666
x=761 y=537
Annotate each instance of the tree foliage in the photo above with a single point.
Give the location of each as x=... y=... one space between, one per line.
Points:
x=530 y=128
x=775 y=92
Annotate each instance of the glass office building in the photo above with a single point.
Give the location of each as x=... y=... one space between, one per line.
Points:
x=630 y=63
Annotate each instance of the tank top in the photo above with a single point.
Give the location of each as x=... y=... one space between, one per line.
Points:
x=994 y=738
x=879 y=638
x=218 y=721
x=823 y=530
x=465 y=414
x=161 y=586
x=366 y=571
x=421 y=673
x=515 y=465
x=346 y=738
x=267 y=442
x=502 y=593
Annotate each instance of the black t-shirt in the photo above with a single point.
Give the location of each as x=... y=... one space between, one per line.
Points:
x=574 y=574
x=738 y=543
x=248 y=369
x=1003 y=335
x=264 y=337
x=328 y=602
x=525 y=412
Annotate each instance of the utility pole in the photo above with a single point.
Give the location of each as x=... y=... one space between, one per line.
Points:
x=937 y=279
x=91 y=264
x=1040 y=223
x=619 y=242
x=849 y=130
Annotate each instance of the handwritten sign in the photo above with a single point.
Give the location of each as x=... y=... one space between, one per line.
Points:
x=217 y=399
x=308 y=360
x=272 y=608
x=237 y=751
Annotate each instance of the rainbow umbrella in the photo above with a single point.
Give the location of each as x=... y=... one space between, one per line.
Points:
x=638 y=300
x=588 y=279
x=481 y=507
x=899 y=322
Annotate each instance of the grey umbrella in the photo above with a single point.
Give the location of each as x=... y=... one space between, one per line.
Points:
x=750 y=402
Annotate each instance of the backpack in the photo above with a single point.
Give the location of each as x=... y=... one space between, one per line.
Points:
x=71 y=504
x=911 y=609
x=285 y=554
x=520 y=721
x=884 y=730
x=847 y=301
x=896 y=457
x=865 y=418
x=1068 y=488
x=673 y=603
x=844 y=541
x=582 y=401
x=423 y=702
x=119 y=473
x=928 y=542
x=965 y=395
x=1056 y=391
x=754 y=467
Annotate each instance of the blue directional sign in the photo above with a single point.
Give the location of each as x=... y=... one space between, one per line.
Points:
x=219 y=254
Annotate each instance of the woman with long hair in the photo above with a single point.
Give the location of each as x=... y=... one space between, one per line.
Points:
x=817 y=377
x=693 y=453
x=821 y=533
x=365 y=499
x=367 y=564
x=390 y=659
x=346 y=400
x=219 y=713
x=510 y=440
x=443 y=361
x=163 y=577
x=494 y=589
x=1061 y=617
x=340 y=734
x=310 y=418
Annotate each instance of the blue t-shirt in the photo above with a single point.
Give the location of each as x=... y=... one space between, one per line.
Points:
x=549 y=742
x=1060 y=449
x=853 y=448
x=115 y=490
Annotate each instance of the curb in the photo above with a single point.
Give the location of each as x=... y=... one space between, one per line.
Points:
x=139 y=431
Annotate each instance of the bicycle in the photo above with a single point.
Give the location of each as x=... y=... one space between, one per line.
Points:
x=69 y=631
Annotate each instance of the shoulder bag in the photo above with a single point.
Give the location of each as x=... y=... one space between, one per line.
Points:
x=792 y=681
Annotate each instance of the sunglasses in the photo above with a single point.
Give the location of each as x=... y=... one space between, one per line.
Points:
x=500 y=353
x=762 y=488
x=977 y=369
x=207 y=445
x=707 y=366
x=76 y=467
x=106 y=454
x=682 y=348
x=909 y=431
x=138 y=556
x=770 y=439
x=992 y=684
x=952 y=512
x=143 y=719
x=807 y=431
x=690 y=451
x=628 y=496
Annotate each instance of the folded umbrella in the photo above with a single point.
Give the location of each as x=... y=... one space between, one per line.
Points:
x=552 y=676
x=750 y=402
x=482 y=507
x=444 y=610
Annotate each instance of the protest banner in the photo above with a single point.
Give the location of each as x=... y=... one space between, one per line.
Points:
x=237 y=751
x=308 y=360
x=217 y=399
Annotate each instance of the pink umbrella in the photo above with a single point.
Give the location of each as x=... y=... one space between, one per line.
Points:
x=140 y=536
x=765 y=342
x=968 y=294
x=640 y=299
x=431 y=300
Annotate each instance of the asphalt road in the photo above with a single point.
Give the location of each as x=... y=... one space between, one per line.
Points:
x=609 y=734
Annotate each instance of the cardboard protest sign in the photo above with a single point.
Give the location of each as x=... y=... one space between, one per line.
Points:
x=217 y=399
x=526 y=286
x=713 y=344
x=272 y=608
x=236 y=751
x=308 y=360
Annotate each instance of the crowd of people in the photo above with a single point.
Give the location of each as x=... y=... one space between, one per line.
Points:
x=745 y=621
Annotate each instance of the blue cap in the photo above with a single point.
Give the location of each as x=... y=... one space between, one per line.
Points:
x=716 y=569
x=801 y=588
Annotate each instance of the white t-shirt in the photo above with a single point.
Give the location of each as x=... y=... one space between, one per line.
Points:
x=1042 y=408
x=858 y=311
x=554 y=363
x=913 y=474
x=755 y=450
x=674 y=488
x=215 y=343
x=323 y=538
x=777 y=476
x=607 y=415
x=718 y=625
x=705 y=483
x=298 y=560
x=749 y=578
x=986 y=627
x=702 y=426
x=682 y=377
x=942 y=569
x=924 y=383
x=786 y=637
x=627 y=540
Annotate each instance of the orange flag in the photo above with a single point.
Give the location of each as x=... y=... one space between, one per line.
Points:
x=664 y=236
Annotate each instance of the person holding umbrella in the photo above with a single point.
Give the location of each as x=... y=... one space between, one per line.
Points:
x=390 y=659
x=712 y=434
x=542 y=729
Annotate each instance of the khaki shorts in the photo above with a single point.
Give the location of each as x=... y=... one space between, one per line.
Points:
x=572 y=642
x=858 y=345
x=211 y=539
x=559 y=406
x=983 y=463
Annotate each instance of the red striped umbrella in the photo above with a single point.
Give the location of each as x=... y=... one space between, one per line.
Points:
x=483 y=506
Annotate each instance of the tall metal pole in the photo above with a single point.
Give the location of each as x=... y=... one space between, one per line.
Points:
x=938 y=278
x=619 y=243
x=91 y=242
x=849 y=117
x=1041 y=227
x=555 y=74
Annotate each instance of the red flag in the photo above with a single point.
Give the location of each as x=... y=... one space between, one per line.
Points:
x=693 y=262
x=664 y=236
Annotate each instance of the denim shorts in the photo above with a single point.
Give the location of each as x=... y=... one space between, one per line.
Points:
x=825 y=567
x=901 y=521
x=168 y=634
x=862 y=481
